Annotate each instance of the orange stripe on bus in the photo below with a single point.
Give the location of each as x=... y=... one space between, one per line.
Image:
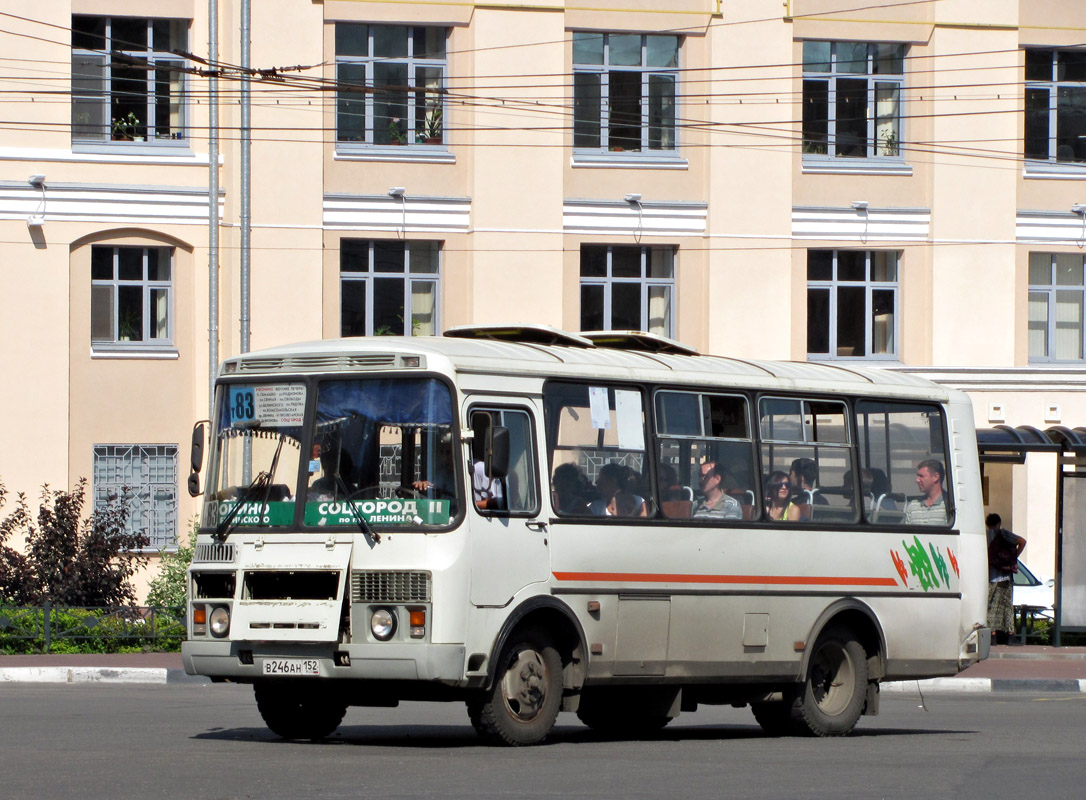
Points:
x=648 y=577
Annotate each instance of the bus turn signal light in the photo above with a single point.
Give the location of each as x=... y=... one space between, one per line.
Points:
x=199 y=615
x=418 y=623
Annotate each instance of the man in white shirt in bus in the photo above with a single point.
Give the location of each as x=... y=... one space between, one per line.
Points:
x=715 y=503
x=930 y=507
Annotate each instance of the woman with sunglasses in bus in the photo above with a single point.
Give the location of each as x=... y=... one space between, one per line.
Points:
x=778 y=498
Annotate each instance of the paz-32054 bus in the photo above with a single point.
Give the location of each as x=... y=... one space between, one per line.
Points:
x=531 y=521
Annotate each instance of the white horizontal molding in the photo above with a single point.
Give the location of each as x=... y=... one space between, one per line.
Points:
x=1063 y=378
x=383 y=213
x=861 y=225
x=611 y=217
x=128 y=205
x=147 y=156
x=1049 y=227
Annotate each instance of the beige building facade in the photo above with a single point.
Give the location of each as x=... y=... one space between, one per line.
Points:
x=901 y=185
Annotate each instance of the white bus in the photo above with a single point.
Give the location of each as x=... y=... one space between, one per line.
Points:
x=531 y=521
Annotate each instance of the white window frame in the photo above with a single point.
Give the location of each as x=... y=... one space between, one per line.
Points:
x=414 y=131
x=875 y=149
x=146 y=134
x=147 y=288
x=145 y=477
x=608 y=281
x=870 y=286
x=1052 y=87
x=603 y=70
x=1049 y=292
x=407 y=276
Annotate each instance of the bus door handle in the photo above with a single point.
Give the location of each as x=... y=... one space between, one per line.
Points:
x=536 y=525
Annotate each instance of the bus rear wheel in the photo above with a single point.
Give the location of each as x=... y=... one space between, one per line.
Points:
x=832 y=697
x=298 y=712
x=521 y=706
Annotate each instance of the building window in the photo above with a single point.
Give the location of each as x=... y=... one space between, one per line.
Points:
x=391 y=81
x=1056 y=291
x=624 y=92
x=852 y=99
x=145 y=477
x=1056 y=105
x=127 y=84
x=852 y=303
x=628 y=288
x=383 y=284
x=131 y=296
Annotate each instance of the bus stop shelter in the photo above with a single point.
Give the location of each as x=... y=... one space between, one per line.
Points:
x=1004 y=444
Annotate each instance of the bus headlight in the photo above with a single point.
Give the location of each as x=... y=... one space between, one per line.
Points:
x=219 y=621
x=383 y=624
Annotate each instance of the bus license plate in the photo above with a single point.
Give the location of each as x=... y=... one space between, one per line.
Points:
x=290 y=666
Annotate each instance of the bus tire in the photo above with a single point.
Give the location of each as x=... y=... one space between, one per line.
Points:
x=521 y=706
x=294 y=712
x=832 y=697
x=619 y=715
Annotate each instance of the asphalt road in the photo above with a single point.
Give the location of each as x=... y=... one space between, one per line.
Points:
x=193 y=741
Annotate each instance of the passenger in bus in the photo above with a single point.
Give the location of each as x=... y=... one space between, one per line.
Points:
x=570 y=489
x=803 y=475
x=867 y=492
x=930 y=507
x=778 y=498
x=615 y=477
x=715 y=502
x=624 y=504
x=880 y=487
x=485 y=491
x=336 y=469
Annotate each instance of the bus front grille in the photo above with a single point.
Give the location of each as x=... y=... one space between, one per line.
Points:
x=214 y=553
x=390 y=586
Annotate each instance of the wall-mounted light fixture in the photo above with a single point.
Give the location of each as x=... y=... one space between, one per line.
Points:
x=1079 y=208
x=859 y=205
x=37 y=219
x=396 y=191
x=633 y=197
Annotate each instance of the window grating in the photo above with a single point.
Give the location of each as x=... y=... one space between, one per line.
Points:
x=145 y=475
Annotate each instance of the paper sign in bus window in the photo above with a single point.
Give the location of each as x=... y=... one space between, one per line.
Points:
x=597 y=401
x=269 y=405
x=631 y=429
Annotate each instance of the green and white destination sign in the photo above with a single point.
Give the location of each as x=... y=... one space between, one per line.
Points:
x=379 y=512
x=276 y=514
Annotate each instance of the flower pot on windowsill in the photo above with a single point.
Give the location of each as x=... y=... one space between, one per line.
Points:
x=431 y=140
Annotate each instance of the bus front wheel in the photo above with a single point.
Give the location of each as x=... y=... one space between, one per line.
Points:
x=832 y=697
x=297 y=712
x=522 y=704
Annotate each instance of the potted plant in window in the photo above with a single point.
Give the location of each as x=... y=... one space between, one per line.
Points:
x=124 y=129
x=433 y=129
x=129 y=326
x=396 y=135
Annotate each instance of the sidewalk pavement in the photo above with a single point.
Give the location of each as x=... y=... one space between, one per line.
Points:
x=1010 y=668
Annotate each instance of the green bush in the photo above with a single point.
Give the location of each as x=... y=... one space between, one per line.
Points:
x=78 y=630
x=168 y=589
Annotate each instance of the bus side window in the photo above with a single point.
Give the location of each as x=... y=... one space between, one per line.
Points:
x=516 y=493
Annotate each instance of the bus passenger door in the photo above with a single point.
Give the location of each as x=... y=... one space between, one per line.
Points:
x=508 y=546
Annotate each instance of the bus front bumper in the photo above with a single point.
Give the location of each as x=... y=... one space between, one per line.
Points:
x=247 y=661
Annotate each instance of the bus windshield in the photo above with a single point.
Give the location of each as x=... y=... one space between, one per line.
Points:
x=382 y=449
x=256 y=455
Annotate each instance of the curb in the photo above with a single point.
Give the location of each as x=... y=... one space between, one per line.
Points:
x=144 y=675
x=976 y=685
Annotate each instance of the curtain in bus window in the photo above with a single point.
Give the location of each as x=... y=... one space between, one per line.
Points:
x=596 y=441
x=898 y=444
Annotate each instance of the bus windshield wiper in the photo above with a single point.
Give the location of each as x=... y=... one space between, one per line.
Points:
x=362 y=524
x=263 y=481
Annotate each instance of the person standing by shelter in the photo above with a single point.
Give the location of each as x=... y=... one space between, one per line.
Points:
x=1004 y=548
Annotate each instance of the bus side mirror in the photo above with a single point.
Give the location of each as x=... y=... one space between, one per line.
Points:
x=496 y=459
x=196 y=457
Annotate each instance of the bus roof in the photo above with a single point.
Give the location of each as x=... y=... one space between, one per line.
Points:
x=485 y=356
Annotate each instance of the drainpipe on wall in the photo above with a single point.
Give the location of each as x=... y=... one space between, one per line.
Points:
x=213 y=203
x=246 y=148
